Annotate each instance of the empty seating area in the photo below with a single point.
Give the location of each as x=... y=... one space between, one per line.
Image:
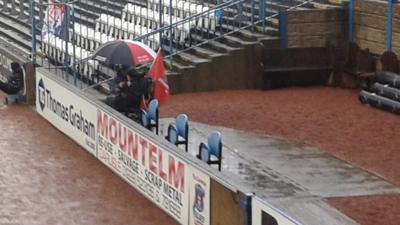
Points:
x=178 y=134
x=86 y=34
x=119 y=29
x=65 y=53
x=193 y=22
x=150 y=15
x=210 y=152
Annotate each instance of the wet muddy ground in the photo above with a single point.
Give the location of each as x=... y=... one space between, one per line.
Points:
x=45 y=178
x=330 y=119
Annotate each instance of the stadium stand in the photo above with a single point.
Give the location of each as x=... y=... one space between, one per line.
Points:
x=97 y=22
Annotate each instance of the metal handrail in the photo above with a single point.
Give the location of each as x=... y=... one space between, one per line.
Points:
x=220 y=6
x=194 y=17
x=190 y=18
x=211 y=34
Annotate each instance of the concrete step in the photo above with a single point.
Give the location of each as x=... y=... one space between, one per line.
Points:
x=228 y=40
x=338 y=2
x=187 y=58
x=115 y=5
x=177 y=65
x=254 y=36
x=222 y=47
x=206 y=52
x=138 y=2
x=83 y=11
x=95 y=7
x=271 y=7
x=318 y=5
x=15 y=17
x=270 y=42
x=16 y=32
x=236 y=41
x=230 y=23
x=321 y=4
x=191 y=58
x=17 y=48
x=271 y=26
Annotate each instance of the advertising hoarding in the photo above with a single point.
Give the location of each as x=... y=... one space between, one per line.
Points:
x=67 y=111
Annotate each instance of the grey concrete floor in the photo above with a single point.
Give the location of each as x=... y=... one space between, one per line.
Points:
x=293 y=177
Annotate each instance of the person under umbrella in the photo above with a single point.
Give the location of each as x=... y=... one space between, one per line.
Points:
x=137 y=88
x=118 y=83
x=128 y=101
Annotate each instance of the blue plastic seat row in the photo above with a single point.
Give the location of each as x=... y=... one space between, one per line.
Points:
x=178 y=133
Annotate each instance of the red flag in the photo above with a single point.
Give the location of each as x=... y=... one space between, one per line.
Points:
x=157 y=73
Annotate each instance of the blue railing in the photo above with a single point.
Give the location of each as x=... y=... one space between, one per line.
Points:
x=389 y=28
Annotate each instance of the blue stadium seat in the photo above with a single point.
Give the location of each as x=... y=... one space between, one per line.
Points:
x=153 y=114
x=145 y=119
x=215 y=146
x=204 y=153
x=172 y=134
x=17 y=98
x=182 y=124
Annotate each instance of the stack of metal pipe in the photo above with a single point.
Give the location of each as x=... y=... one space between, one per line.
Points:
x=385 y=93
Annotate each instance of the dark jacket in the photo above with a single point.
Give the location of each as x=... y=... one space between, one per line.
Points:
x=120 y=78
x=16 y=80
x=136 y=91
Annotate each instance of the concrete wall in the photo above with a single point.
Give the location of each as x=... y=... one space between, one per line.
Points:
x=239 y=69
x=370 y=25
x=316 y=28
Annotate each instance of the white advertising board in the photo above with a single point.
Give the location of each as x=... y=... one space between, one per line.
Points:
x=199 y=198
x=178 y=188
x=67 y=111
x=265 y=214
x=155 y=172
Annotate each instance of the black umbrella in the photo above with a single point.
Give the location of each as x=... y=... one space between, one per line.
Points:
x=125 y=52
